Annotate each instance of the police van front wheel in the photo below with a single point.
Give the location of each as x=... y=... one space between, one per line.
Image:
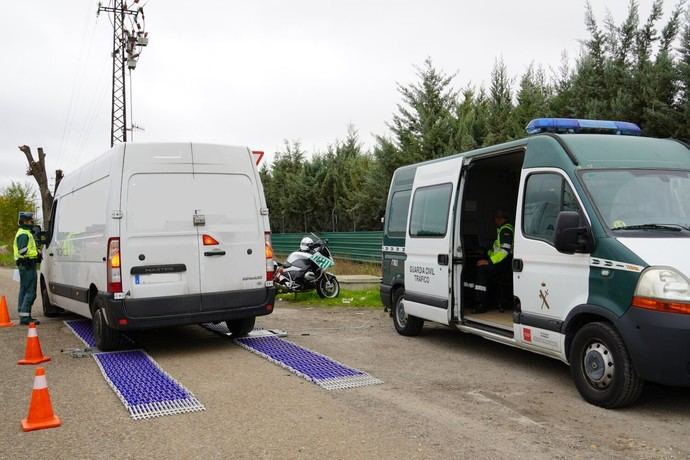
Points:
x=602 y=368
x=107 y=339
x=405 y=324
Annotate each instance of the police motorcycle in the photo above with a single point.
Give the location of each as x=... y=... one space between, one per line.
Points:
x=305 y=269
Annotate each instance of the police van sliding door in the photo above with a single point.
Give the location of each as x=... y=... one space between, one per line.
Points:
x=428 y=267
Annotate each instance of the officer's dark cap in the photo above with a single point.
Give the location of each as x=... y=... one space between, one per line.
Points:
x=25 y=216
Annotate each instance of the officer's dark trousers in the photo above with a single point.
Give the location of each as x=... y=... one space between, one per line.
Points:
x=27 y=291
x=487 y=276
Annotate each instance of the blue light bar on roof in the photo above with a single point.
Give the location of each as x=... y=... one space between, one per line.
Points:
x=572 y=125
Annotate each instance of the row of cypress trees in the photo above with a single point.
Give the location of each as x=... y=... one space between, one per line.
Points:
x=638 y=70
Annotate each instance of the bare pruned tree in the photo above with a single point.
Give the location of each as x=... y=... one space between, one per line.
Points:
x=37 y=169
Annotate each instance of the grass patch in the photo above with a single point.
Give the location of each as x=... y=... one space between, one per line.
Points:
x=368 y=298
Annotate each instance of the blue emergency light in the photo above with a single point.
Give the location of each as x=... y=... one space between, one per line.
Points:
x=572 y=125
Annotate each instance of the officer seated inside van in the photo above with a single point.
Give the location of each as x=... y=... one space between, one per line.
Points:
x=497 y=267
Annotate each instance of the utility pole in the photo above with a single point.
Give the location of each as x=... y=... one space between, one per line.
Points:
x=127 y=43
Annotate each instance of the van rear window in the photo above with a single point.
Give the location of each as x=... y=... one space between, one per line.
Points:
x=397 y=214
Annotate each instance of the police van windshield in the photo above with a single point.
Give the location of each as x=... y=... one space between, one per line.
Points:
x=630 y=201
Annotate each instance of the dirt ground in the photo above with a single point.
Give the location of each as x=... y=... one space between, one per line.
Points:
x=445 y=395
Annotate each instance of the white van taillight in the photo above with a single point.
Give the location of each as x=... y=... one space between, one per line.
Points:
x=114 y=275
x=208 y=240
x=269 y=259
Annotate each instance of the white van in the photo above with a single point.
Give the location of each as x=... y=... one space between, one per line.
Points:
x=152 y=235
x=600 y=262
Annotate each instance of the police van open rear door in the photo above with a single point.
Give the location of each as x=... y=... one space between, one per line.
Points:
x=428 y=267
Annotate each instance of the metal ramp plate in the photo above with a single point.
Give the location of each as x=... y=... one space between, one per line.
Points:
x=222 y=329
x=144 y=388
x=82 y=329
x=312 y=366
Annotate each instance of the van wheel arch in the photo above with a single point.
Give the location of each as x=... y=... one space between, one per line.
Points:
x=93 y=292
x=404 y=324
x=397 y=287
x=579 y=317
x=49 y=309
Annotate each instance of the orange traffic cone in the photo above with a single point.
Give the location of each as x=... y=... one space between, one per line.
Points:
x=4 y=315
x=33 y=353
x=40 y=409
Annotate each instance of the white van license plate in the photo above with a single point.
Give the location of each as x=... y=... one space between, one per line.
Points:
x=157 y=278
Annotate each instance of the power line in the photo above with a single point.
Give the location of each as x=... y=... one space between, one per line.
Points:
x=127 y=46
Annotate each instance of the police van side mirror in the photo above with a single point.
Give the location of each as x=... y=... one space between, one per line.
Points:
x=570 y=236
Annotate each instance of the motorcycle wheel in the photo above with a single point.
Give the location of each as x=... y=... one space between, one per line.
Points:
x=328 y=287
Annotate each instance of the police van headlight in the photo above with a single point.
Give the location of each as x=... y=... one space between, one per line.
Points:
x=663 y=289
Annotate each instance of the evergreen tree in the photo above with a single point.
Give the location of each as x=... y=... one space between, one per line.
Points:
x=500 y=123
x=423 y=127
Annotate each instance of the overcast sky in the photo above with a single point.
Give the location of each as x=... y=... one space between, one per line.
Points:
x=256 y=72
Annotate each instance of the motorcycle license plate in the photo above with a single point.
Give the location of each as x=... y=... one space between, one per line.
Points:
x=322 y=261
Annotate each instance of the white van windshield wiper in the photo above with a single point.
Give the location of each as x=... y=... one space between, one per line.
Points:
x=666 y=227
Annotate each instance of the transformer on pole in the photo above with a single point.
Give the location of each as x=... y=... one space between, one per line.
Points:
x=127 y=43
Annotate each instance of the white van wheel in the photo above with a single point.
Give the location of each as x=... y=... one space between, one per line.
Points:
x=405 y=324
x=241 y=327
x=107 y=339
x=601 y=367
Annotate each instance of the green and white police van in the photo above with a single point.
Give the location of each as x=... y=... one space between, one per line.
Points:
x=601 y=253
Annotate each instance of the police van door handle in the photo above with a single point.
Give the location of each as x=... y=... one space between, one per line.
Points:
x=214 y=253
x=443 y=259
x=517 y=265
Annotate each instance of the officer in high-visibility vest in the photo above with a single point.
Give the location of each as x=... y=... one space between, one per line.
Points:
x=27 y=256
x=497 y=265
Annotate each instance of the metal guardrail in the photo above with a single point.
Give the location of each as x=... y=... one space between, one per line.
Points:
x=356 y=246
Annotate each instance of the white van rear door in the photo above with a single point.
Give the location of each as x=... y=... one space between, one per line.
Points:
x=232 y=242
x=428 y=271
x=160 y=249
x=227 y=194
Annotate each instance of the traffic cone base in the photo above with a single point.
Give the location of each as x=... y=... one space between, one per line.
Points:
x=33 y=353
x=41 y=414
x=43 y=359
x=4 y=315
x=54 y=422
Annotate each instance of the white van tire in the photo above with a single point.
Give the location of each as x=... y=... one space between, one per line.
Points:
x=49 y=310
x=107 y=339
x=405 y=324
x=602 y=368
x=241 y=327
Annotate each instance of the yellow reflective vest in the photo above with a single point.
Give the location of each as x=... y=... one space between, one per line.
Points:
x=31 y=249
x=503 y=246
